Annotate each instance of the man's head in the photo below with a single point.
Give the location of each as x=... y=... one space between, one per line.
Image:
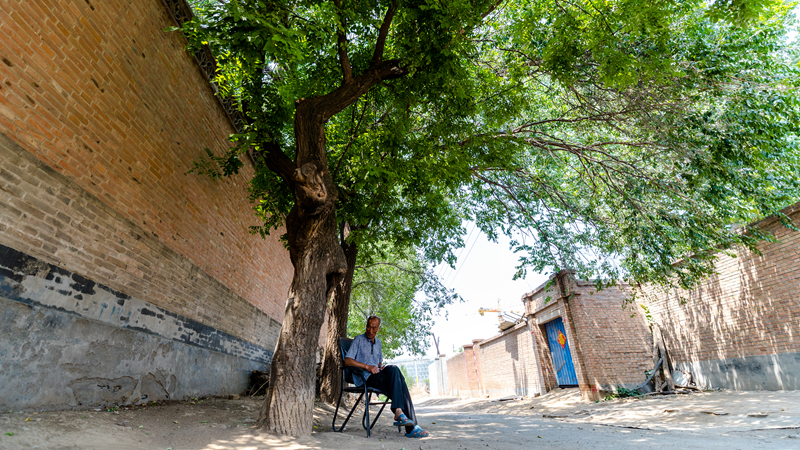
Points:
x=373 y=325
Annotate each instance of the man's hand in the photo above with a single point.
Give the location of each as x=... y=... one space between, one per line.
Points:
x=353 y=363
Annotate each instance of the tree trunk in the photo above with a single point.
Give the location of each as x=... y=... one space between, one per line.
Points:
x=315 y=252
x=317 y=257
x=289 y=402
x=338 y=312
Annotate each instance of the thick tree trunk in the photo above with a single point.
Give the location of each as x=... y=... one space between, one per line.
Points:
x=317 y=257
x=338 y=312
x=289 y=403
x=314 y=249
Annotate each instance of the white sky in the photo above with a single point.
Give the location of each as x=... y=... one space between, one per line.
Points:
x=482 y=275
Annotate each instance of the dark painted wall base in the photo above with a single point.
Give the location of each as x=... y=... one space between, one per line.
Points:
x=66 y=341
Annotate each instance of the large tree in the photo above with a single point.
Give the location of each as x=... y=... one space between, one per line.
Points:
x=615 y=137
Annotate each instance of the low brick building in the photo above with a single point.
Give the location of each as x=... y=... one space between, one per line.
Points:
x=573 y=335
x=608 y=341
x=123 y=278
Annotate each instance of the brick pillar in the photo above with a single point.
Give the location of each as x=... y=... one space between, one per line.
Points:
x=476 y=356
x=588 y=390
x=472 y=373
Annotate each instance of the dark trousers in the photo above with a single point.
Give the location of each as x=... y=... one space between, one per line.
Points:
x=391 y=382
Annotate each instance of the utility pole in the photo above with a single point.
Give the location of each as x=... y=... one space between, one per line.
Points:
x=436 y=343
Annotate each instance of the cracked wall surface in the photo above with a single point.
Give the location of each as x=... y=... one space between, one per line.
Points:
x=51 y=359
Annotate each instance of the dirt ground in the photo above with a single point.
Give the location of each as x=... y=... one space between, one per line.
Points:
x=558 y=420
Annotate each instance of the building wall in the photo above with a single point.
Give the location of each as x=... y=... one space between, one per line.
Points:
x=462 y=375
x=613 y=340
x=437 y=371
x=508 y=365
x=417 y=369
x=740 y=329
x=102 y=113
x=610 y=341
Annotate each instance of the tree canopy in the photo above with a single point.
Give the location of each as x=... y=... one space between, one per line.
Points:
x=622 y=139
x=615 y=138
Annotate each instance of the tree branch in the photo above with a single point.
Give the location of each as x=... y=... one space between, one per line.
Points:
x=333 y=103
x=352 y=139
x=276 y=160
x=380 y=44
x=341 y=44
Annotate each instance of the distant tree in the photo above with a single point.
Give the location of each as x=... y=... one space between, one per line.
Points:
x=405 y=294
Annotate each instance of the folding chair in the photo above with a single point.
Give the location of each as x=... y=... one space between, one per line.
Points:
x=348 y=374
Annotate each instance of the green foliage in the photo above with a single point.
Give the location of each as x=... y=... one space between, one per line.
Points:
x=404 y=293
x=622 y=167
x=406 y=375
x=622 y=392
x=625 y=140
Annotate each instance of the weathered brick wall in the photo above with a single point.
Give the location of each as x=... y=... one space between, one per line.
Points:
x=102 y=113
x=609 y=342
x=472 y=364
x=99 y=92
x=457 y=382
x=740 y=329
x=45 y=215
x=613 y=342
x=508 y=365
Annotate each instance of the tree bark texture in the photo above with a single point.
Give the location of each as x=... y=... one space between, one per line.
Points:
x=315 y=252
x=338 y=311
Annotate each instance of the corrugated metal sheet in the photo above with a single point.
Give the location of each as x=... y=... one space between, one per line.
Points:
x=559 y=351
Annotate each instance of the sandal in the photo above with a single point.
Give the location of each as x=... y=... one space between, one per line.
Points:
x=417 y=432
x=403 y=421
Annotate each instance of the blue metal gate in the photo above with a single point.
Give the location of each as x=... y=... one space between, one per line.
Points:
x=559 y=351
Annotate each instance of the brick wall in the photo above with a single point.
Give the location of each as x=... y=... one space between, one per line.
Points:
x=457 y=381
x=99 y=93
x=508 y=365
x=102 y=113
x=740 y=329
x=613 y=342
x=609 y=340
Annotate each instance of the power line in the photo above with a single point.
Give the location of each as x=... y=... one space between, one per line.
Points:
x=477 y=237
x=445 y=266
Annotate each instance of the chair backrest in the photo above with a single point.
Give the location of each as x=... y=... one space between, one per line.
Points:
x=347 y=372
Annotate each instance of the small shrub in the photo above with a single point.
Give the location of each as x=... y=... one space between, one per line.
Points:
x=622 y=392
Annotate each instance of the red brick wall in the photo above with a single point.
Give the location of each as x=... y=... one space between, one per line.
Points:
x=750 y=308
x=613 y=341
x=97 y=91
x=508 y=364
x=457 y=381
x=609 y=342
x=473 y=369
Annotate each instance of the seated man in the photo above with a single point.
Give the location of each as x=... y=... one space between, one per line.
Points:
x=365 y=354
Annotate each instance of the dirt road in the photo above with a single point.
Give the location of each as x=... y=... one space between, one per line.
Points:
x=723 y=420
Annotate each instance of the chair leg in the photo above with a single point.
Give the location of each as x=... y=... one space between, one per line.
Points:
x=375 y=420
x=336 y=412
x=366 y=414
x=341 y=428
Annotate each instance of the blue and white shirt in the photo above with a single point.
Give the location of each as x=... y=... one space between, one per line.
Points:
x=365 y=351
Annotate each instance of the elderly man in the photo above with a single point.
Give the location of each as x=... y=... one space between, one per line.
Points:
x=365 y=354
